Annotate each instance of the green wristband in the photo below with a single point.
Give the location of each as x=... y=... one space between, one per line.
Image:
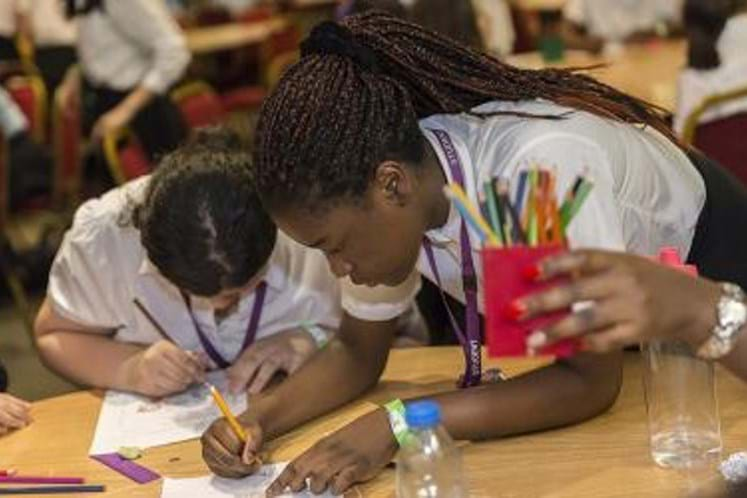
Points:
x=317 y=333
x=395 y=409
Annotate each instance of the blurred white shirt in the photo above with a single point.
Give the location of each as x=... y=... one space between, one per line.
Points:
x=695 y=85
x=496 y=26
x=131 y=43
x=8 y=11
x=616 y=20
x=50 y=25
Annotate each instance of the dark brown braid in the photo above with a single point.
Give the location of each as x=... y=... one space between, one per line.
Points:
x=355 y=98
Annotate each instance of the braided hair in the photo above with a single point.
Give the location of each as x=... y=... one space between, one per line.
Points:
x=355 y=98
x=201 y=221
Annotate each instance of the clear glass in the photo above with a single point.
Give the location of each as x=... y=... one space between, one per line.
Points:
x=429 y=465
x=683 y=419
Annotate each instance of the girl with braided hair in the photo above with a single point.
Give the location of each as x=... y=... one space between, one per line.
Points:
x=352 y=152
x=182 y=272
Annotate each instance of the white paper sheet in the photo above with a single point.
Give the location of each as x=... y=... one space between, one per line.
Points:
x=131 y=420
x=216 y=487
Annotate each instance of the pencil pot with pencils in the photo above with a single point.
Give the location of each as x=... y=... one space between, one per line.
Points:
x=517 y=234
x=506 y=278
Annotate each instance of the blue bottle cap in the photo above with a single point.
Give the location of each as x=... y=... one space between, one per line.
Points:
x=421 y=414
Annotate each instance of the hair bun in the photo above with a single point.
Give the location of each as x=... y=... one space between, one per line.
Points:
x=330 y=38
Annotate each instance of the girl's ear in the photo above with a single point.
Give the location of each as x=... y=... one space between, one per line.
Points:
x=393 y=183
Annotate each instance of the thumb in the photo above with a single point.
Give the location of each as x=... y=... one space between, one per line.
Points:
x=250 y=452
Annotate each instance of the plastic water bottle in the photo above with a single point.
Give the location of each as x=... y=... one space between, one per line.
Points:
x=429 y=463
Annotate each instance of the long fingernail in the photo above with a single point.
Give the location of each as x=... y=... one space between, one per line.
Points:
x=537 y=340
x=532 y=272
x=515 y=310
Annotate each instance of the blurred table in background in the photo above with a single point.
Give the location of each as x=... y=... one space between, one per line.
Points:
x=648 y=71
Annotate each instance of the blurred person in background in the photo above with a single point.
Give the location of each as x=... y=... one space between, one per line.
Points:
x=131 y=53
x=612 y=22
x=717 y=58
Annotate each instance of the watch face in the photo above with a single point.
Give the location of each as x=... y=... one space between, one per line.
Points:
x=733 y=313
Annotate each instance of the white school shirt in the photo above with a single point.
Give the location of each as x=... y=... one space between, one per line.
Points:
x=12 y=118
x=496 y=26
x=102 y=267
x=616 y=20
x=695 y=85
x=646 y=192
x=8 y=11
x=50 y=25
x=127 y=43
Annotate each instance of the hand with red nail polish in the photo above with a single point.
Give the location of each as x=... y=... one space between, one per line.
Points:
x=532 y=272
x=627 y=299
x=515 y=310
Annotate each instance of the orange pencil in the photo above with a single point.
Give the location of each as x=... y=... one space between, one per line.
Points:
x=223 y=406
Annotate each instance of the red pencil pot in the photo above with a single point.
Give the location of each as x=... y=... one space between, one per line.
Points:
x=505 y=281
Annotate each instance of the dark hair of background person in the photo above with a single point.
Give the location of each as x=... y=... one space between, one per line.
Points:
x=393 y=7
x=704 y=22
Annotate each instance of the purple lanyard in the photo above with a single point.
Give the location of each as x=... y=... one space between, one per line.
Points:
x=251 y=329
x=471 y=342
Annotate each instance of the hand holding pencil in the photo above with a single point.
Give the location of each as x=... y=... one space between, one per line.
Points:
x=230 y=446
x=163 y=368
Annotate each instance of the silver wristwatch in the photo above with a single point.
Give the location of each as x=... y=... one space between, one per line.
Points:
x=732 y=316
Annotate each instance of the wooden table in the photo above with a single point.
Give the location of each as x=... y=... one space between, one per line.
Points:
x=648 y=71
x=605 y=457
x=232 y=35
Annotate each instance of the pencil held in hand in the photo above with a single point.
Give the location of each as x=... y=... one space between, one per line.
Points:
x=223 y=406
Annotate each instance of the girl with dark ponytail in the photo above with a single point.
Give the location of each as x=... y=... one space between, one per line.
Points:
x=353 y=149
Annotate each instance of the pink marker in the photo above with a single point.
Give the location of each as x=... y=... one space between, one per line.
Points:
x=14 y=479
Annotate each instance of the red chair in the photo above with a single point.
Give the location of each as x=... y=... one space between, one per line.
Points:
x=724 y=139
x=200 y=104
x=276 y=54
x=30 y=94
x=125 y=156
x=67 y=145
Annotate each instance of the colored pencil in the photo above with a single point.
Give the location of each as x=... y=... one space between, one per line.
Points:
x=456 y=194
x=583 y=193
x=493 y=208
x=40 y=480
x=223 y=406
x=53 y=490
x=159 y=328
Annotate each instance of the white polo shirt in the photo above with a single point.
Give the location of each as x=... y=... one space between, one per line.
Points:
x=496 y=26
x=616 y=20
x=695 y=86
x=50 y=26
x=102 y=267
x=9 y=9
x=646 y=193
x=128 y=43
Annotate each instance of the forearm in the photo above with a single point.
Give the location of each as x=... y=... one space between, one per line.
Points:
x=347 y=366
x=560 y=394
x=93 y=360
x=137 y=100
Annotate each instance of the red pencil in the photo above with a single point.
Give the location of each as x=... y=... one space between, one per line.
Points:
x=40 y=480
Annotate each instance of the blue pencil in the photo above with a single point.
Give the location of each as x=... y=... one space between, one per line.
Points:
x=521 y=192
x=53 y=490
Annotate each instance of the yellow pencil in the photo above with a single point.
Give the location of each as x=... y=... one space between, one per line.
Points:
x=223 y=406
x=459 y=195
